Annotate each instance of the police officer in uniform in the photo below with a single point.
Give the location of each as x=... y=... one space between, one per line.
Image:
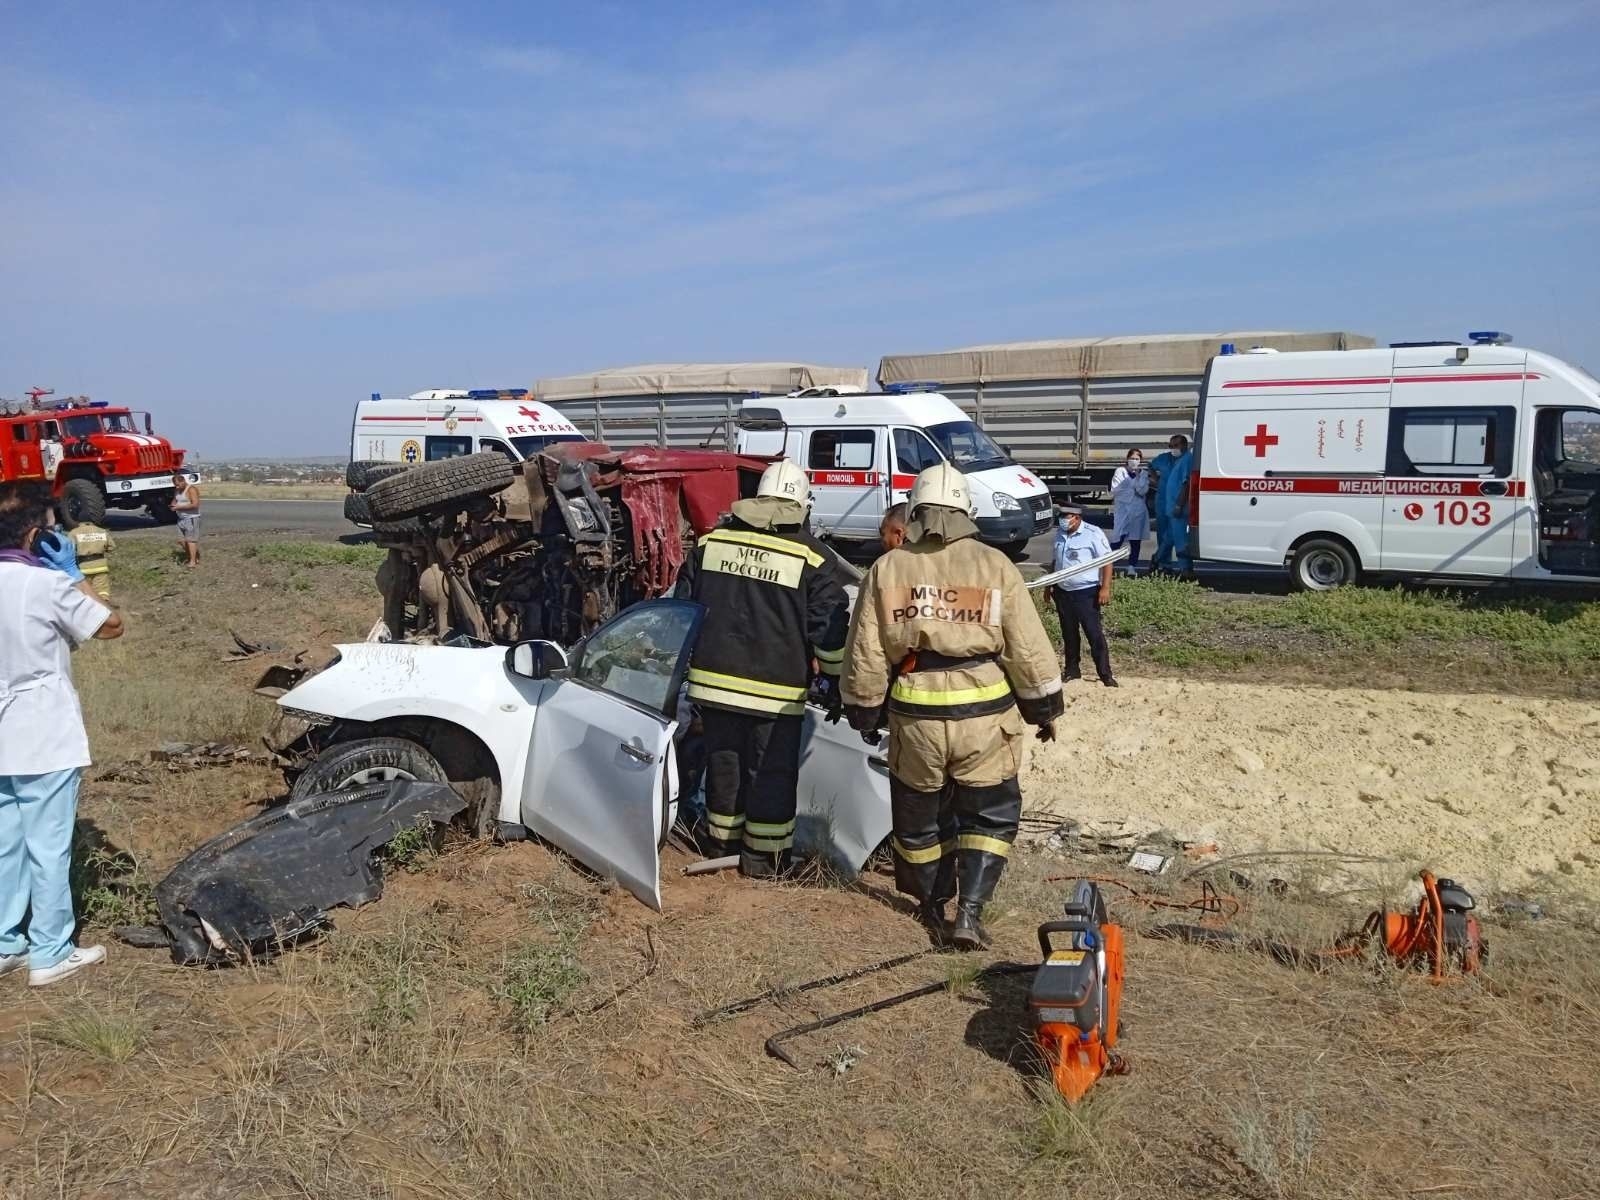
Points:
x=945 y=636
x=773 y=608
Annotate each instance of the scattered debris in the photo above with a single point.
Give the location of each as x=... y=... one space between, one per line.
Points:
x=271 y=879
x=1519 y=906
x=125 y=772
x=1148 y=863
x=842 y=1059
x=244 y=650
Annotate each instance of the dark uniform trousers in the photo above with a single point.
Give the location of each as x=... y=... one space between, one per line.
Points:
x=1080 y=610
x=954 y=839
x=752 y=776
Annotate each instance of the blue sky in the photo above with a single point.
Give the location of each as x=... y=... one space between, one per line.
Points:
x=246 y=217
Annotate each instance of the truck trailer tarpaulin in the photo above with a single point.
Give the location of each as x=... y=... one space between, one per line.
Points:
x=1070 y=409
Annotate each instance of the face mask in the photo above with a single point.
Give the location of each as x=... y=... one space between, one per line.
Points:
x=1135 y=463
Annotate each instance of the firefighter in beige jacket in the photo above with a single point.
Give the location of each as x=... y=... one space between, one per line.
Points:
x=945 y=637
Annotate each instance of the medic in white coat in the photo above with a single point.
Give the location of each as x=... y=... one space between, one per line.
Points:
x=1130 y=517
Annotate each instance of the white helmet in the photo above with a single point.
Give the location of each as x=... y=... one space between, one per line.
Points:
x=942 y=485
x=787 y=482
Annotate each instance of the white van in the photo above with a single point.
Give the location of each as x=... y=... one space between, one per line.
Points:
x=1436 y=460
x=447 y=423
x=862 y=453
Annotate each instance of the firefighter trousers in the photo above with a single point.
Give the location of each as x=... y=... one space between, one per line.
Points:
x=752 y=774
x=955 y=804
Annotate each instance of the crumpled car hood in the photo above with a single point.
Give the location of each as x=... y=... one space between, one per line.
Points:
x=272 y=878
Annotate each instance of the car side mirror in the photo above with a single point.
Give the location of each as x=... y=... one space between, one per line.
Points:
x=535 y=660
x=149 y=426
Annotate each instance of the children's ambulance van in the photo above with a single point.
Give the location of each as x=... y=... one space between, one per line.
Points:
x=1477 y=462
x=446 y=423
x=862 y=453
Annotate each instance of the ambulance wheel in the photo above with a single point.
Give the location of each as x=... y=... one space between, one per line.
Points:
x=82 y=500
x=1322 y=564
x=438 y=484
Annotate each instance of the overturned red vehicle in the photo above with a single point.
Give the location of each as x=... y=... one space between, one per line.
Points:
x=495 y=551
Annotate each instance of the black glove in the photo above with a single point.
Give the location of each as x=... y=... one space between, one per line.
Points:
x=835 y=698
x=1046 y=732
x=864 y=718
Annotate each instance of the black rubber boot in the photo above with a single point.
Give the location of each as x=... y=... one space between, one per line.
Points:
x=968 y=932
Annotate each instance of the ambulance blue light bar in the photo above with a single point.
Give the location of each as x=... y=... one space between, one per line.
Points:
x=901 y=389
x=1490 y=337
x=497 y=393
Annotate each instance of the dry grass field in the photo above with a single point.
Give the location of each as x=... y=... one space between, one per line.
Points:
x=500 y=1024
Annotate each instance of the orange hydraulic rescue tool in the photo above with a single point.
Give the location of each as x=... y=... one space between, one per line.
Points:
x=1441 y=933
x=1077 y=992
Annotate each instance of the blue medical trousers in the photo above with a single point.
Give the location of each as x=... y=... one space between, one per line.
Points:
x=1163 y=554
x=1178 y=531
x=37 y=813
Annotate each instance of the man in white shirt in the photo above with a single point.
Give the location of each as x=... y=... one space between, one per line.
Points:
x=1080 y=597
x=46 y=610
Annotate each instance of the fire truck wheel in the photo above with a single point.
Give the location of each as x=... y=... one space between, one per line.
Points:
x=161 y=510
x=82 y=500
x=367 y=760
x=437 y=484
x=1322 y=564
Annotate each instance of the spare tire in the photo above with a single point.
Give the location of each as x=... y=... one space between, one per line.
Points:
x=437 y=484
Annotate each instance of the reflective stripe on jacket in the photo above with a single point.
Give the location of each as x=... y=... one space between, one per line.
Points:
x=959 y=599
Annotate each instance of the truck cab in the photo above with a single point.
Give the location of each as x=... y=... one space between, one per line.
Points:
x=95 y=456
x=450 y=422
x=1476 y=462
x=863 y=451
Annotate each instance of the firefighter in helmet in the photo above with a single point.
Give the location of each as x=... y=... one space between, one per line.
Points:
x=772 y=610
x=946 y=638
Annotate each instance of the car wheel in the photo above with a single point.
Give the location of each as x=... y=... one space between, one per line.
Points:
x=367 y=760
x=356 y=510
x=1015 y=551
x=1322 y=564
x=434 y=485
x=363 y=473
x=82 y=500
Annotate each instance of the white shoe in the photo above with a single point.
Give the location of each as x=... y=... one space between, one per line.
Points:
x=83 y=956
x=13 y=962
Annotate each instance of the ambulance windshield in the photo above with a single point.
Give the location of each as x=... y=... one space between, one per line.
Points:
x=529 y=446
x=967 y=446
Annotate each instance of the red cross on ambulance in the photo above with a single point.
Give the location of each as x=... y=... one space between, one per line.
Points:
x=1260 y=440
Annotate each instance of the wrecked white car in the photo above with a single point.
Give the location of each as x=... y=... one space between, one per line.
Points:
x=577 y=748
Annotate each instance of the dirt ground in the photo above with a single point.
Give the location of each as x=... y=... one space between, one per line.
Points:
x=501 y=1024
x=1499 y=789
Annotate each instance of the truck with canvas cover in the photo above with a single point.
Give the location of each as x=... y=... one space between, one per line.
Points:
x=95 y=456
x=1436 y=460
x=1070 y=409
x=683 y=405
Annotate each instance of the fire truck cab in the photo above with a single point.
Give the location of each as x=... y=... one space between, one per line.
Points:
x=94 y=455
x=1425 y=460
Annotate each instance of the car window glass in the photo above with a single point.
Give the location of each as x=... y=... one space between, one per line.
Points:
x=492 y=444
x=119 y=423
x=637 y=654
x=1451 y=441
x=82 y=426
x=913 y=453
x=841 y=450
x=1580 y=435
x=21 y=433
x=967 y=446
x=528 y=447
x=448 y=447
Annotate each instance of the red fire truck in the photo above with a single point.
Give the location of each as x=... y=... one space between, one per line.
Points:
x=94 y=455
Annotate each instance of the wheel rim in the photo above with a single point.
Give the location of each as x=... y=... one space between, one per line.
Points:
x=1324 y=569
x=376 y=775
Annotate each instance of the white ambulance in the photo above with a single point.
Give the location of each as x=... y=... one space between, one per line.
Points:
x=448 y=422
x=863 y=451
x=1437 y=460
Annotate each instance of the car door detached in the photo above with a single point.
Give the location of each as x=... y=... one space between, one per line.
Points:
x=602 y=736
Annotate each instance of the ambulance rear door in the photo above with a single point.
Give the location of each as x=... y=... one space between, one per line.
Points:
x=1292 y=449
x=1451 y=493
x=850 y=469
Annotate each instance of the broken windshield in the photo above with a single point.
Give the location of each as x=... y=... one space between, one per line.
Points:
x=967 y=446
